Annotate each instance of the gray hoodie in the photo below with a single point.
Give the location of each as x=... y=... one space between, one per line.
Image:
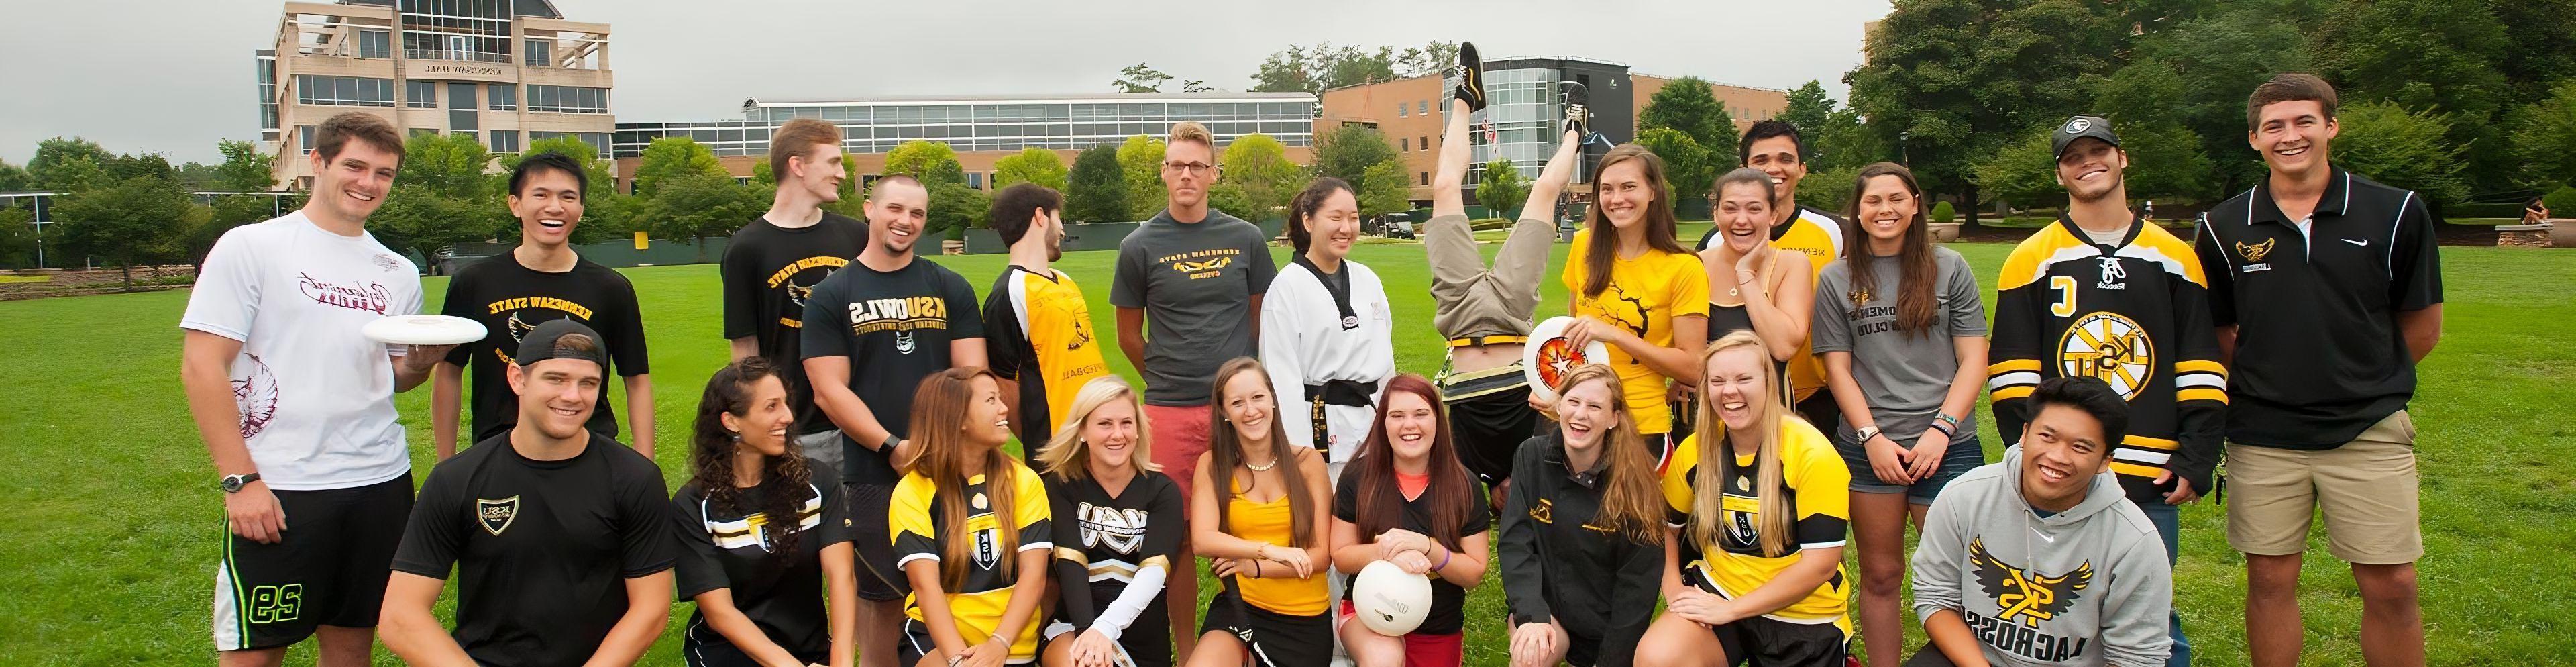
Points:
x=2088 y=586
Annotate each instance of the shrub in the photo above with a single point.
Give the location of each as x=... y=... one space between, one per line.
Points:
x=1943 y=213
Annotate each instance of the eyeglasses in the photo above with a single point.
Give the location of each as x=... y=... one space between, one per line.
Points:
x=1199 y=168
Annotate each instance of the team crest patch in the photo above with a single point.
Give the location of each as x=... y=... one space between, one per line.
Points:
x=2078 y=125
x=2255 y=252
x=496 y=515
x=2109 y=347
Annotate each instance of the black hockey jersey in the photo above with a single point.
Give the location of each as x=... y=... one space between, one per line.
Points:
x=2135 y=315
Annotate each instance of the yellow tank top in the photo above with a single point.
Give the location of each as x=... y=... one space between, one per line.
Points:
x=1270 y=522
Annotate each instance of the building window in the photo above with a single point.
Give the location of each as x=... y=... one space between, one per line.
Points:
x=375 y=44
x=1401 y=110
x=420 y=93
x=505 y=141
x=599 y=141
x=503 y=96
x=1426 y=178
x=304 y=138
x=567 y=99
x=463 y=30
x=1404 y=143
x=1422 y=108
x=541 y=53
x=424 y=131
x=975 y=180
x=344 y=91
x=1424 y=142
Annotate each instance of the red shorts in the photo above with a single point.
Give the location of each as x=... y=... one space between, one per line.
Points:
x=1180 y=435
x=1420 y=650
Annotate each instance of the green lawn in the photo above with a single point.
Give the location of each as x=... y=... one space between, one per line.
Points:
x=113 y=522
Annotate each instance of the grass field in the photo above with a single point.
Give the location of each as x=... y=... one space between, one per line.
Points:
x=113 y=519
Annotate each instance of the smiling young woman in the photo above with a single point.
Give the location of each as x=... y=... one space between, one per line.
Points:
x=1637 y=289
x=1431 y=521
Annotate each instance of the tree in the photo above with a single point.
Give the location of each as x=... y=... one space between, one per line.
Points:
x=2438 y=56
x=954 y=207
x=1687 y=105
x=1096 y=190
x=129 y=223
x=918 y=158
x=2023 y=172
x=601 y=174
x=1139 y=78
x=1957 y=79
x=1502 y=189
x=1258 y=170
x=246 y=168
x=1348 y=151
x=1031 y=165
x=1688 y=168
x=674 y=156
x=421 y=219
x=1808 y=110
x=698 y=206
x=229 y=211
x=1829 y=189
x=72 y=174
x=14 y=178
x=1324 y=66
x=1140 y=161
x=17 y=237
x=2544 y=134
x=134 y=165
x=2197 y=74
x=452 y=165
x=2402 y=148
x=1433 y=58
x=1844 y=142
x=2165 y=162
x=1384 y=188
x=55 y=154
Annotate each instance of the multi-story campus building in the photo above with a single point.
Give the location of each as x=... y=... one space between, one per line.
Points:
x=508 y=72
x=984 y=129
x=1522 y=109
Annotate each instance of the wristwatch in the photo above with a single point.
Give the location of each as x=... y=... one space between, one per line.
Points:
x=1867 y=432
x=234 y=483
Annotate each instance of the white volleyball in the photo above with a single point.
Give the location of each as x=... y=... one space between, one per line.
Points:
x=1389 y=600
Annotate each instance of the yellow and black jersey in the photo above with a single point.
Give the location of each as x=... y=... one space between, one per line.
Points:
x=913 y=515
x=1037 y=331
x=1818 y=493
x=2135 y=315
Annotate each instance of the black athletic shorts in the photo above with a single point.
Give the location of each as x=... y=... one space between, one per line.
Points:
x=1489 y=416
x=1278 y=640
x=329 y=569
x=1761 y=641
x=1820 y=410
x=879 y=580
x=726 y=655
x=916 y=643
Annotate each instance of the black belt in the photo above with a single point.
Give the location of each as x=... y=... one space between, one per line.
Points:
x=1343 y=392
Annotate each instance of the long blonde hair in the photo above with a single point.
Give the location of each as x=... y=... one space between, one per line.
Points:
x=1066 y=456
x=1717 y=458
x=1633 y=504
x=939 y=426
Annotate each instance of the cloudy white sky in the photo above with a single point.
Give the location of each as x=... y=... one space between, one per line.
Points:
x=174 y=76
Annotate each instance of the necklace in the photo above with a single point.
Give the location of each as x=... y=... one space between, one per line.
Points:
x=1274 y=463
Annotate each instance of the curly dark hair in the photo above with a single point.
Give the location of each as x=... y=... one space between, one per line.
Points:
x=784 y=482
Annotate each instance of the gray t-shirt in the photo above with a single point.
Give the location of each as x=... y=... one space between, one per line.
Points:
x=1904 y=375
x=1196 y=282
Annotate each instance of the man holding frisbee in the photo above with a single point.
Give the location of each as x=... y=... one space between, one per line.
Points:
x=296 y=407
x=539 y=281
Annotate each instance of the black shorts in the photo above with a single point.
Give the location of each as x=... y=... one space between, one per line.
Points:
x=1762 y=641
x=916 y=643
x=879 y=580
x=1820 y=410
x=1277 y=640
x=329 y=569
x=1489 y=417
x=717 y=654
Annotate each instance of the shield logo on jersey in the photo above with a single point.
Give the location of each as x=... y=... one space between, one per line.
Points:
x=2255 y=252
x=2109 y=347
x=986 y=552
x=496 y=515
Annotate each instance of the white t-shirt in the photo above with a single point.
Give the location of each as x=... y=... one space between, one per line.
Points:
x=316 y=397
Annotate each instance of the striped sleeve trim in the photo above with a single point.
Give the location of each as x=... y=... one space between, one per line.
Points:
x=2000 y=382
x=2200 y=394
x=2196 y=366
x=2009 y=393
x=2012 y=365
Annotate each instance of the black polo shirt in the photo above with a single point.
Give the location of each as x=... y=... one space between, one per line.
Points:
x=2319 y=357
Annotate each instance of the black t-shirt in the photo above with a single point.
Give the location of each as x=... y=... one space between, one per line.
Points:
x=1447 y=613
x=510 y=300
x=768 y=273
x=542 y=549
x=736 y=549
x=895 y=327
x=1116 y=536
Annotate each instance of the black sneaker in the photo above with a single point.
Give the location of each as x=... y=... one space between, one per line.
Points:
x=1470 y=72
x=1578 y=114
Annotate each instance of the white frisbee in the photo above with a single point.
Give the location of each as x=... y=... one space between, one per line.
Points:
x=1549 y=357
x=423 y=330
x=1390 y=601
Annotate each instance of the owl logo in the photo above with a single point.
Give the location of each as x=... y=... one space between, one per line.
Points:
x=799 y=293
x=2257 y=251
x=518 y=329
x=2023 y=595
x=255 y=396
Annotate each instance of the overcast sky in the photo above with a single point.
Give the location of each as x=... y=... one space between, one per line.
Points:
x=174 y=76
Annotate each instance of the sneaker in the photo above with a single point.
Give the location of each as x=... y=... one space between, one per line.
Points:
x=1470 y=75
x=1578 y=116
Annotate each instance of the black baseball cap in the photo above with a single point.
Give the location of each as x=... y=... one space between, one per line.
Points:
x=539 y=344
x=2079 y=127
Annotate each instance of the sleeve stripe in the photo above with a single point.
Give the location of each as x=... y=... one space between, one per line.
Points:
x=2140 y=456
x=2010 y=365
x=2150 y=443
x=2009 y=393
x=2013 y=380
x=2135 y=470
x=1822 y=545
x=2201 y=380
x=1048 y=546
x=2198 y=394
x=1074 y=555
x=2197 y=366
x=914 y=557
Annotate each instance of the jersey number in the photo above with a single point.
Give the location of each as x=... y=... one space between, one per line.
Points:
x=2065 y=286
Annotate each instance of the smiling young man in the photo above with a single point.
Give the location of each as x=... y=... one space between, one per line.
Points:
x=1776 y=148
x=2326 y=290
x=2041 y=559
x=2105 y=294
x=296 y=406
x=560 y=537
x=773 y=264
x=539 y=281
x=875 y=329
x=1037 y=326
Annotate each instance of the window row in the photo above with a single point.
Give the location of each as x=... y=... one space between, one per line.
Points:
x=567 y=99
x=1011 y=113
x=344 y=91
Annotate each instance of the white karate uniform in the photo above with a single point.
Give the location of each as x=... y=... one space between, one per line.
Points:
x=1306 y=340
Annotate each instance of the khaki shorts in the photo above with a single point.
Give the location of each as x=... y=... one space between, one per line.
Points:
x=2367 y=489
x=1471 y=301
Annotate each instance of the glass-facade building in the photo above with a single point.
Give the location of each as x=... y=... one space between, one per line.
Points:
x=1056 y=122
x=1523 y=104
